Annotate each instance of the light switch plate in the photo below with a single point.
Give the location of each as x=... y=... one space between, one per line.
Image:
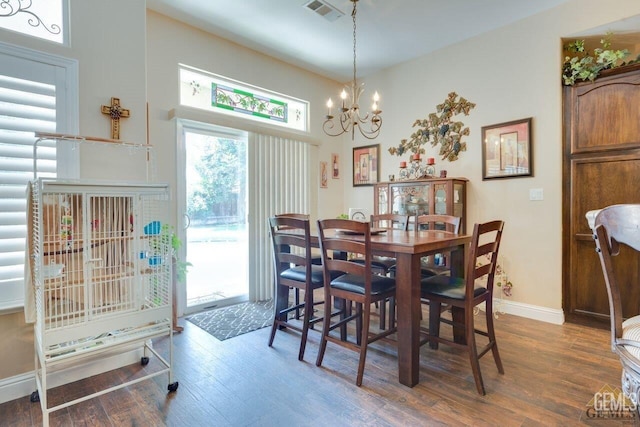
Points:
x=536 y=194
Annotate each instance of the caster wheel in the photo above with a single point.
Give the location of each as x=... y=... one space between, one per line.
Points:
x=173 y=386
x=35 y=397
x=144 y=361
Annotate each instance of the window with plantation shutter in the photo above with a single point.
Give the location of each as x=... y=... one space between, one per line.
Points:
x=32 y=99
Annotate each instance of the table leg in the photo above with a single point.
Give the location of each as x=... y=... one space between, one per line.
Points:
x=408 y=312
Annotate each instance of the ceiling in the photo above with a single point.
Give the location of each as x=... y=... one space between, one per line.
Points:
x=389 y=32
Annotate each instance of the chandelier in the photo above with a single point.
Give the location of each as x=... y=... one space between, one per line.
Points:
x=348 y=116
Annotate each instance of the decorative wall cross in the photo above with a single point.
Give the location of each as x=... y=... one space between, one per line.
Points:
x=116 y=112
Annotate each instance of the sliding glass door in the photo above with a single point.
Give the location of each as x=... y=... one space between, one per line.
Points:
x=216 y=207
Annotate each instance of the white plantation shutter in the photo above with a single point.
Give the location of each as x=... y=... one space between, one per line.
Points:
x=30 y=101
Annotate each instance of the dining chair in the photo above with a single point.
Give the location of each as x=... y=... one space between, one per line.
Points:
x=617 y=234
x=315 y=258
x=448 y=223
x=382 y=264
x=432 y=222
x=293 y=269
x=356 y=283
x=379 y=263
x=463 y=294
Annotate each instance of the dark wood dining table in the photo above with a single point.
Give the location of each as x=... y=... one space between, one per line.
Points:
x=408 y=247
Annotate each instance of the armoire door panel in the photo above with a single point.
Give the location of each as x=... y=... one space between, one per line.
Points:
x=602 y=181
x=605 y=119
x=589 y=295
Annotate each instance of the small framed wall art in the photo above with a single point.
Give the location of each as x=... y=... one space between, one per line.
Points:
x=366 y=165
x=324 y=174
x=507 y=150
x=335 y=166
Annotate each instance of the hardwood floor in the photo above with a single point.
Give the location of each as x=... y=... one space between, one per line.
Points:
x=551 y=374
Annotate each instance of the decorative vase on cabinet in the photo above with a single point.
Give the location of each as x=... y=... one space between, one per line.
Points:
x=444 y=196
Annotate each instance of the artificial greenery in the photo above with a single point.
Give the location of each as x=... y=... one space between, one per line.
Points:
x=585 y=65
x=439 y=128
x=168 y=237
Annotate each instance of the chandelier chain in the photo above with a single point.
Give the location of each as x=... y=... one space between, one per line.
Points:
x=353 y=15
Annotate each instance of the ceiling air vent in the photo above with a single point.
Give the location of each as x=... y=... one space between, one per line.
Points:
x=324 y=9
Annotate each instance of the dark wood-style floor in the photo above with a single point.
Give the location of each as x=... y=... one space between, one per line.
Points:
x=551 y=374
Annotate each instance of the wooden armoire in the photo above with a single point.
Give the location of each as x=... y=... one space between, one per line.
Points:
x=601 y=167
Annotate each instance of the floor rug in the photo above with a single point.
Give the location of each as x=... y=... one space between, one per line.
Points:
x=228 y=322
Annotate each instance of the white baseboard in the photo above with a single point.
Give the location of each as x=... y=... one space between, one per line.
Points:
x=24 y=384
x=529 y=311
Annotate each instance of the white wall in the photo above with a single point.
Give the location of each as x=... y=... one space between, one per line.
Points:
x=511 y=73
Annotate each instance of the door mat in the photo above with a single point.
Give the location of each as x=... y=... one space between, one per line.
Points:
x=228 y=322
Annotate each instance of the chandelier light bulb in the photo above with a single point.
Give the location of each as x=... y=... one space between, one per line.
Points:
x=329 y=106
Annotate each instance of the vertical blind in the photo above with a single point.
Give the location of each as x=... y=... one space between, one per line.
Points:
x=279 y=182
x=27 y=105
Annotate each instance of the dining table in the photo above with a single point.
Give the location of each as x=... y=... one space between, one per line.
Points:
x=408 y=247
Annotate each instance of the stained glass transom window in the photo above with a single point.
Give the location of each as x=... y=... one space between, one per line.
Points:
x=39 y=18
x=207 y=91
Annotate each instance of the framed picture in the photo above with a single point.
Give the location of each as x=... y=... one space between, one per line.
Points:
x=365 y=165
x=324 y=174
x=335 y=166
x=359 y=214
x=507 y=149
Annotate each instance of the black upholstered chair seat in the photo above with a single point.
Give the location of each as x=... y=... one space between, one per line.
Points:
x=355 y=283
x=447 y=287
x=300 y=274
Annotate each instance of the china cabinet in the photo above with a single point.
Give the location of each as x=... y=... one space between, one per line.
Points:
x=444 y=196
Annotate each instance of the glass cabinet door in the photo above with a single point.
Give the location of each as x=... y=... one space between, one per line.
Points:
x=458 y=200
x=411 y=199
x=440 y=198
x=383 y=199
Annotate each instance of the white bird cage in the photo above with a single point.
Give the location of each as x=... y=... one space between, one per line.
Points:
x=101 y=265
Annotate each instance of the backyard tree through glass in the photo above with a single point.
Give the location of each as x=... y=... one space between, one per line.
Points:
x=217 y=234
